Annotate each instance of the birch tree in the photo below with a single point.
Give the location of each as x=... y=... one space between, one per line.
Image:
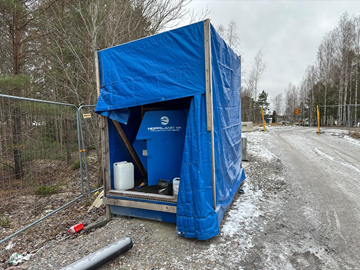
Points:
x=255 y=74
x=357 y=55
x=278 y=104
x=343 y=46
x=326 y=61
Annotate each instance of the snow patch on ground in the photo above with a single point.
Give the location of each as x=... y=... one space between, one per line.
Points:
x=352 y=140
x=10 y=245
x=332 y=159
x=243 y=213
x=350 y=166
x=269 y=128
x=323 y=154
x=237 y=226
x=259 y=151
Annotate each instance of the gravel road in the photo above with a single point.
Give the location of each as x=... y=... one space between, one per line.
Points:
x=299 y=211
x=320 y=215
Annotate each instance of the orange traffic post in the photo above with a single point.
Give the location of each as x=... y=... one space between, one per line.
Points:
x=262 y=113
x=318 y=117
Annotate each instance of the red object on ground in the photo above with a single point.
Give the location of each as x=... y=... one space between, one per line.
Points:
x=76 y=228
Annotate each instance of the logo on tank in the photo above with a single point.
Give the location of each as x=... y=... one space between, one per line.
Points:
x=164 y=120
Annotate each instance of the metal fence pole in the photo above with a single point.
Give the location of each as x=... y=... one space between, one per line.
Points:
x=84 y=150
x=348 y=111
x=80 y=150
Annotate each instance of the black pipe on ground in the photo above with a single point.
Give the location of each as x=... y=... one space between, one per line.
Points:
x=102 y=256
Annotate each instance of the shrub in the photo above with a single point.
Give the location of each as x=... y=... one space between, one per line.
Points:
x=4 y=222
x=76 y=164
x=46 y=190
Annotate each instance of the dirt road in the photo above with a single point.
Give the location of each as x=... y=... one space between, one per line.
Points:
x=316 y=223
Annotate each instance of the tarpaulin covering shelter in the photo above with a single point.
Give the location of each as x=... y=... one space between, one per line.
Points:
x=190 y=62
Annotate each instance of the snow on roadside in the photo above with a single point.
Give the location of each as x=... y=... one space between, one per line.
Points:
x=352 y=140
x=243 y=213
x=272 y=127
x=243 y=220
x=238 y=229
x=256 y=149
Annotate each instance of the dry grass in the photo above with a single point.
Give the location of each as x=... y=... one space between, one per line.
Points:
x=355 y=135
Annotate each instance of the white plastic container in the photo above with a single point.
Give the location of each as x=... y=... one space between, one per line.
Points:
x=123 y=175
x=176 y=184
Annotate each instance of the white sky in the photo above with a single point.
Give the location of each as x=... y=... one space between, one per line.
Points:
x=288 y=33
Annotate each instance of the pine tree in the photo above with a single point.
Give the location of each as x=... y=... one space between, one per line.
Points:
x=262 y=102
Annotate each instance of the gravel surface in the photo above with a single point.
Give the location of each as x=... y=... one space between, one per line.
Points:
x=157 y=246
x=278 y=223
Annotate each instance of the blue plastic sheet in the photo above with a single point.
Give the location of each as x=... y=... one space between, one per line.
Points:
x=226 y=82
x=171 y=66
x=163 y=67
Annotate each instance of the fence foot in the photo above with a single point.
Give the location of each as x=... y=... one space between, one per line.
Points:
x=108 y=214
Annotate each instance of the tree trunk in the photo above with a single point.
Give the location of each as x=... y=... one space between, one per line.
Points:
x=67 y=140
x=16 y=114
x=356 y=91
x=325 y=94
x=339 y=113
x=61 y=133
x=344 y=119
x=56 y=121
x=350 y=92
x=17 y=142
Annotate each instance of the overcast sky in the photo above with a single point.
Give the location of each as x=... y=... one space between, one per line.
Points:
x=288 y=33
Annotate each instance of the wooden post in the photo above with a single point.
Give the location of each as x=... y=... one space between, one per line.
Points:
x=130 y=148
x=207 y=48
x=97 y=74
x=104 y=136
x=209 y=101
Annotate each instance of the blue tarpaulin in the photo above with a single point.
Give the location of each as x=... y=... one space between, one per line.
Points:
x=167 y=67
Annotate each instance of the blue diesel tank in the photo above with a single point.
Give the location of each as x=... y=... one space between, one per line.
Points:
x=160 y=142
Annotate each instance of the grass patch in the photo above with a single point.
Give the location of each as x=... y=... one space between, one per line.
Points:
x=4 y=222
x=46 y=190
x=76 y=164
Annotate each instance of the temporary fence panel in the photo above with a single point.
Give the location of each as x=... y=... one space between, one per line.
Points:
x=342 y=119
x=251 y=115
x=39 y=160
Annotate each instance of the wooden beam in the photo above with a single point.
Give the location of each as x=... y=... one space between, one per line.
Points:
x=96 y=57
x=207 y=48
x=130 y=148
x=104 y=137
x=142 y=195
x=141 y=205
x=209 y=101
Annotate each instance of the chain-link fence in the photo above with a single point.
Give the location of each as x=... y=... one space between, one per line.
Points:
x=42 y=168
x=342 y=118
x=38 y=148
x=251 y=115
